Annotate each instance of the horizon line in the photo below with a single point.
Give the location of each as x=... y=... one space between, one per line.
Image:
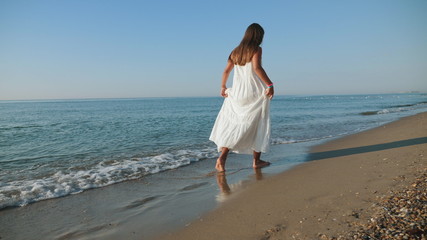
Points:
x=131 y=98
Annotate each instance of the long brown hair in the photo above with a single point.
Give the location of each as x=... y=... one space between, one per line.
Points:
x=249 y=45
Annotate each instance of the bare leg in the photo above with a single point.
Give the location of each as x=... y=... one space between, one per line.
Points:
x=220 y=162
x=258 y=163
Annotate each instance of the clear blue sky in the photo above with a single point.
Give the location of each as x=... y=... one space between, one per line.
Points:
x=108 y=49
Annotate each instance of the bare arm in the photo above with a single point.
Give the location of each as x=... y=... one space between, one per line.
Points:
x=225 y=76
x=259 y=70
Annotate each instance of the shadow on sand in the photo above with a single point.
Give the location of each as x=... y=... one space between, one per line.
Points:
x=365 y=149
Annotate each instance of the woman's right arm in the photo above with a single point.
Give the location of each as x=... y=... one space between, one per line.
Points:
x=259 y=70
x=225 y=75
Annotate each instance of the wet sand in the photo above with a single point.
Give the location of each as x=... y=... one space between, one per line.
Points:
x=326 y=196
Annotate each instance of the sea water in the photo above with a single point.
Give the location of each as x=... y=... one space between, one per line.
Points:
x=54 y=148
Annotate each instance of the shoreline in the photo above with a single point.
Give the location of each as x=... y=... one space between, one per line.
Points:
x=325 y=196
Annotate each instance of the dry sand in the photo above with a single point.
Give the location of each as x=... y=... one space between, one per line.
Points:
x=325 y=196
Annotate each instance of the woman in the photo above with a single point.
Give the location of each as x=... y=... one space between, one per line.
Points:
x=243 y=123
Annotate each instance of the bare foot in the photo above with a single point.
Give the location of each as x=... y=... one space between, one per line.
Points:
x=219 y=166
x=260 y=164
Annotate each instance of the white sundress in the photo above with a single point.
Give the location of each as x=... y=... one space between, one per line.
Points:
x=243 y=123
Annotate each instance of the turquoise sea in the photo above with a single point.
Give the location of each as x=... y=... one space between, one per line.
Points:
x=54 y=148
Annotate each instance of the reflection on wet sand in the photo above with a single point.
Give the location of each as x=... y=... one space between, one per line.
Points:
x=222 y=183
x=258 y=173
x=225 y=189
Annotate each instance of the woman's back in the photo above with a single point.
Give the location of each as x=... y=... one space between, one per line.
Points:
x=247 y=87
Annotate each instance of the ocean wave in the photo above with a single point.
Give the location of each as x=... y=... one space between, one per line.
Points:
x=20 y=127
x=395 y=108
x=409 y=105
x=278 y=141
x=24 y=127
x=73 y=181
x=384 y=111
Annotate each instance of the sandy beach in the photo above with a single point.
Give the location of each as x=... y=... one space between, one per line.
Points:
x=326 y=196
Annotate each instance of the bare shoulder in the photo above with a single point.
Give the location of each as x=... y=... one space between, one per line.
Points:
x=258 y=53
x=229 y=66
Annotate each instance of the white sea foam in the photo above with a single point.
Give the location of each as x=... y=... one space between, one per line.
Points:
x=278 y=141
x=62 y=183
x=393 y=110
x=387 y=111
x=384 y=111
